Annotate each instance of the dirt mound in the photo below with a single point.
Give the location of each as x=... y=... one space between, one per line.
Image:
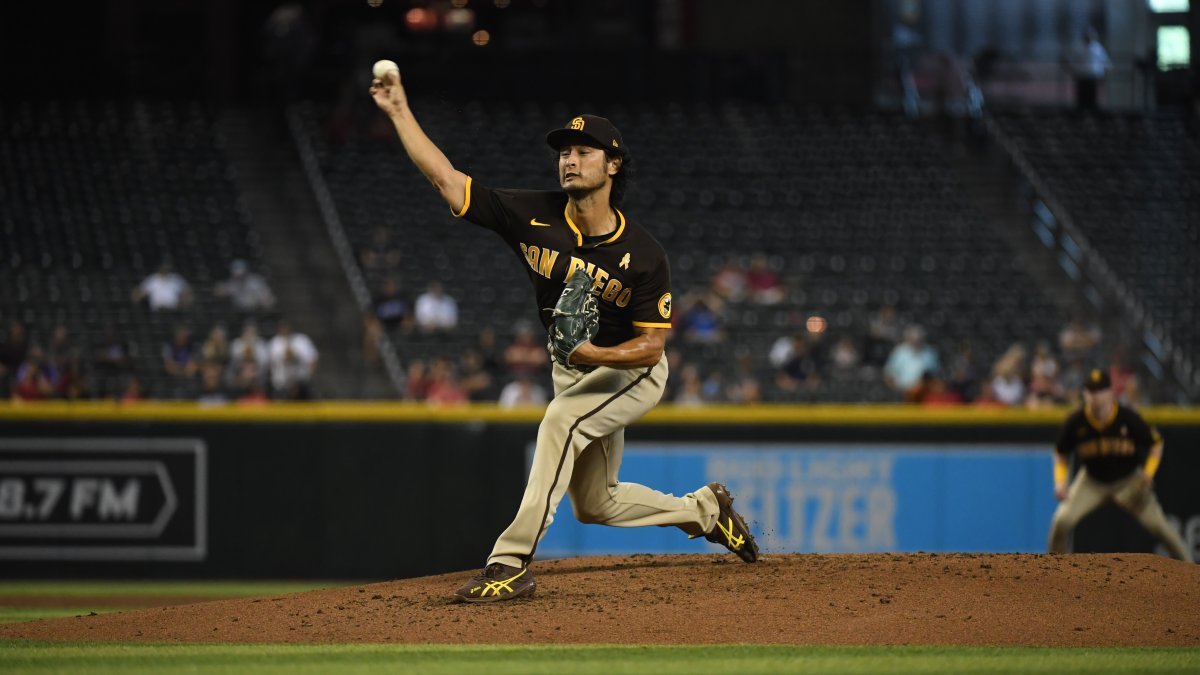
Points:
x=1077 y=600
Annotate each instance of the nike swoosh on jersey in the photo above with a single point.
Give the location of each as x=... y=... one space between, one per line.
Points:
x=534 y=221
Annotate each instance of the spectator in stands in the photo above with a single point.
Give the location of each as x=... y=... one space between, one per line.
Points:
x=436 y=311
x=72 y=381
x=380 y=255
x=1125 y=385
x=522 y=391
x=12 y=353
x=390 y=307
x=133 y=390
x=475 y=379
x=211 y=391
x=1044 y=388
x=1078 y=339
x=61 y=347
x=416 y=381
x=932 y=392
x=486 y=344
x=690 y=391
x=844 y=356
x=729 y=283
x=700 y=319
x=909 y=360
x=179 y=355
x=255 y=394
x=164 y=290
x=1074 y=375
x=293 y=359
x=796 y=369
x=883 y=333
x=1090 y=64
x=526 y=355
x=215 y=351
x=744 y=388
x=1008 y=383
x=763 y=283
x=444 y=389
x=249 y=292
x=964 y=374
x=110 y=362
x=35 y=379
x=248 y=359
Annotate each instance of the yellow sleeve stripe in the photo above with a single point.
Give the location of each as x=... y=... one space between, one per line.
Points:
x=466 y=201
x=647 y=324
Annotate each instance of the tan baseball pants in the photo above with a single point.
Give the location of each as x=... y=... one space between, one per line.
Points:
x=579 y=447
x=1087 y=494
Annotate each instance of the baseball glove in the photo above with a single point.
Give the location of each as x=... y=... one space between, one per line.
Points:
x=576 y=320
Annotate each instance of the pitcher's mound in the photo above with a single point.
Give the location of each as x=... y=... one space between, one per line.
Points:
x=1075 y=600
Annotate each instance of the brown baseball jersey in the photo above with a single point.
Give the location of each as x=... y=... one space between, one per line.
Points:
x=1111 y=449
x=631 y=278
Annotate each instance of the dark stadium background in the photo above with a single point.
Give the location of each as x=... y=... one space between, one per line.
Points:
x=923 y=155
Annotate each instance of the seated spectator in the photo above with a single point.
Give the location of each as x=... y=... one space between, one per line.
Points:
x=1124 y=378
x=164 y=290
x=932 y=392
x=215 y=350
x=248 y=358
x=110 y=362
x=293 y=358
x=1044 y=388
x=763 y=283
x=380 y=255
x=72 y=382
x=844 y=356
x=527 y=354
x=211 y=391
x=249 y=292
x=179 y=355
x=1008 y=385
x=700 y=319
x=522 y=391
x=436 y=311
x=909 y=360
x=475 y=380
x=391 y=309
x=964 y=374
x=690 y=391
x=12 y=353
x=729 y=283
x=35 y=379
x=796 y=367
x=883 y=333
x=61 y=347
x=133 y=390
x=444 y=389
x=1074 y=376
x=1078 y=339
x=416 y=381
x=744 y=387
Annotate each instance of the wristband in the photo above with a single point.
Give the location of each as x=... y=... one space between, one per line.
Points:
x=1060 y=473
x=1151 y=465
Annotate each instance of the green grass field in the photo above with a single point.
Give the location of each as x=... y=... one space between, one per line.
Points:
x=98 y=658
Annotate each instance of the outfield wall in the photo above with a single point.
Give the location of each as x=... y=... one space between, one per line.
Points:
x=388 y=490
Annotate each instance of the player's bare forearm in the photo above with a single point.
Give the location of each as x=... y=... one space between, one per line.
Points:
x=451 y=183
x=642 y=351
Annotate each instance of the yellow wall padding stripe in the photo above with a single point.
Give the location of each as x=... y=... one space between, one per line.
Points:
x=389 y=411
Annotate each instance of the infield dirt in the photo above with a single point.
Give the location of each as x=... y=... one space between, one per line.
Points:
x=950 y=599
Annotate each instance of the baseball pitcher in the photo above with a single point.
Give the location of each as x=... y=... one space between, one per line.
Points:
x=602 y=286
x=1120 y=454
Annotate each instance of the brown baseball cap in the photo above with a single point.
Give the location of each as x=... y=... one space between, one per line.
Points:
x=591 y=130
x=1098 y=380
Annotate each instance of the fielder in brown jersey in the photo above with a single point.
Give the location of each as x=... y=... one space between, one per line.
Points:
x=582 y=436
x=1118 y=454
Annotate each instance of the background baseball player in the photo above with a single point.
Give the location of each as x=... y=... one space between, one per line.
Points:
x=609 y=369
x=1120 y=454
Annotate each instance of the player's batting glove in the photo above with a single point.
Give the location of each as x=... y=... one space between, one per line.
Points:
x=576 y=320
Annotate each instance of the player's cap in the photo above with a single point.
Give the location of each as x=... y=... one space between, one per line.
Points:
x=1097 y=380
x=591 y=130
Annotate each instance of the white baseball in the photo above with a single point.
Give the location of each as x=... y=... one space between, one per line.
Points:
x=381 y=68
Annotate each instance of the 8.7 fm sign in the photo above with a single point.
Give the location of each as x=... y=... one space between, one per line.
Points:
x=102 y=499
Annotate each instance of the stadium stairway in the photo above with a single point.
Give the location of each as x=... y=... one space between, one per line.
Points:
x=311 y=289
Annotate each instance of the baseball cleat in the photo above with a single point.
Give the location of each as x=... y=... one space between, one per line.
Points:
x=497 y=582
x=730 y=530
